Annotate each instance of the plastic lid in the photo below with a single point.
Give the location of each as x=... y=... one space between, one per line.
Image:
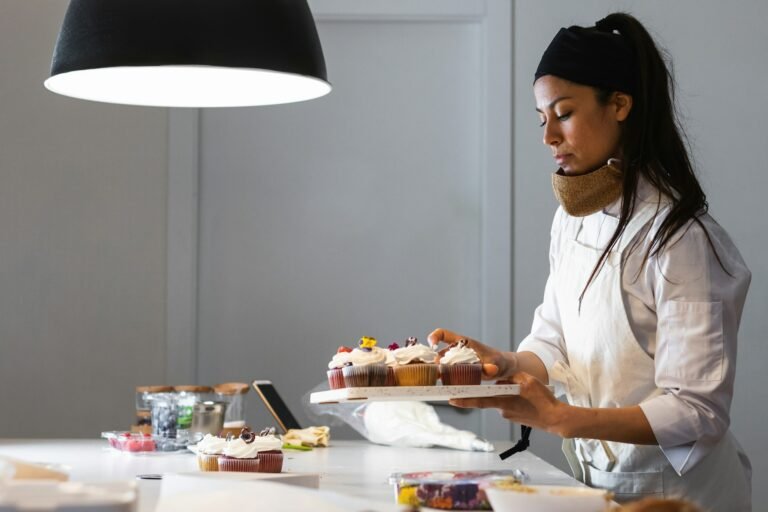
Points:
x=154 y=389
x=453 y=477
x=231 y=388
x=193 y=389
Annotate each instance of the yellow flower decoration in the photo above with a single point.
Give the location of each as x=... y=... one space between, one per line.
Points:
x=367 y=342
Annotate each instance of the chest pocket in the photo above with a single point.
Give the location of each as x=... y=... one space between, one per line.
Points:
x=692 y=340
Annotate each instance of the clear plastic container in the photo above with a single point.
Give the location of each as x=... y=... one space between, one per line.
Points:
x=147 y=443
x=233 y=393
x=186 y=398
x=450 y=490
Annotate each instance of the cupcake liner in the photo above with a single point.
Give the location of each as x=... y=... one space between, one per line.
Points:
x=208 y=462
x=390 y=377
x=461 y=374
x=445 y=375
x=242 y=465
x=336 y=378
x=416 y=374
x=365 y=376
x=271 y=461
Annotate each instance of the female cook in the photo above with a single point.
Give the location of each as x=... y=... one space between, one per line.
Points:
x=642 y=305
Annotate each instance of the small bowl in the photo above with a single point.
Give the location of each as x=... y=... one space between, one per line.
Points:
x=547 y=498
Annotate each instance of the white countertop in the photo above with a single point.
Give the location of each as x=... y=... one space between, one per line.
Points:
x=355 y=468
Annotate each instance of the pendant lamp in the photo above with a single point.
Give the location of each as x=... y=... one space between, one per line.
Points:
x=189 y=53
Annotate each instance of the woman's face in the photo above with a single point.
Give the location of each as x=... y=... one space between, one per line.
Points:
x=581 y=132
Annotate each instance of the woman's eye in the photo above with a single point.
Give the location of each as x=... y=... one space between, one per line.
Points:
x=542 y=122
x=564 y=117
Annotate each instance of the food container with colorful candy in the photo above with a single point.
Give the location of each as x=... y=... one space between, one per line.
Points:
x=450 y=490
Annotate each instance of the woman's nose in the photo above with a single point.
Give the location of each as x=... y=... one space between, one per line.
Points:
x=551 y=135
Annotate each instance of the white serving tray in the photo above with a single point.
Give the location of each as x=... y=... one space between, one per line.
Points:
x=417 y=393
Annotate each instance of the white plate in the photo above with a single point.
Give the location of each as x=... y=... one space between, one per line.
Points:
x=417 y=393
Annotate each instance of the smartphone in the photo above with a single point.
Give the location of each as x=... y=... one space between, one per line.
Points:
x=275 y=405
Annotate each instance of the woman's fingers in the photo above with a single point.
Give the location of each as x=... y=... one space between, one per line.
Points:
x=490 y=371
x=489 y=402
x=441 y=336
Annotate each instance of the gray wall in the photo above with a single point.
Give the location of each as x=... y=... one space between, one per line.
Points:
x=82 y=243
x=719 y=51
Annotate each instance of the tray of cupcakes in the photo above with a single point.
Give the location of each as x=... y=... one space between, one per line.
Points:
x=410 y=372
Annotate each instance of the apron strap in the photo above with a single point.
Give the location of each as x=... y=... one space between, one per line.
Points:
x=522 y=444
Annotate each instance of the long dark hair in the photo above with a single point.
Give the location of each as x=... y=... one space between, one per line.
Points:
x=653 y=144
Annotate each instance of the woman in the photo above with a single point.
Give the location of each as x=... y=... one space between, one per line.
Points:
x=641 y=309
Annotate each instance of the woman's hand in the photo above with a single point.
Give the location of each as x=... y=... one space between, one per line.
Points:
x=496 y=364
x=535 y=406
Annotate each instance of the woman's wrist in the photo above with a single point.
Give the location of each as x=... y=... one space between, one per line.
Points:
x=509 y=365
x=565 y=420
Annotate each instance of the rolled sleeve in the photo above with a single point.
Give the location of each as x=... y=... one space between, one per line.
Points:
x=698 y=307
x=546 y=337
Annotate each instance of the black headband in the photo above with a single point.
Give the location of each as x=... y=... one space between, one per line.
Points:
x=593 y=56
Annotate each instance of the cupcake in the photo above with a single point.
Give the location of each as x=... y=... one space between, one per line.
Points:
x=416 y=364
x=460 y=366
x=391 y=363
x=253 y=453
x=208 y=451
x=339 y=360
x=367 y=365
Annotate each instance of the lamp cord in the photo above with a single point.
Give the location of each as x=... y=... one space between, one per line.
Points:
x=521 y=445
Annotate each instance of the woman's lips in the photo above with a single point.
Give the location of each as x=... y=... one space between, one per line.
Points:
x=562 y=158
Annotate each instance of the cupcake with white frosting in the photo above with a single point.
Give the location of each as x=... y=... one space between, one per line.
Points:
x=253 y=453
x=367 y=365
x=339 y=360
x=391 y=363
x=416 y=364
x=460 y=366
x=208 y=450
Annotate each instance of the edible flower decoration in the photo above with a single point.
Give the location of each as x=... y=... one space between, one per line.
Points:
x=393 y=346
x=343 y=349
x=367 y=343
x=411 y=341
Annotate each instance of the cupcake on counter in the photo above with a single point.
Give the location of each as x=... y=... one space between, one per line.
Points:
x=460 y=366
x=208 y=451
x=416 y=364
x=253 y=453
x=339 y=361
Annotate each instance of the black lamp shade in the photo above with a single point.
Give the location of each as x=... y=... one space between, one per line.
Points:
x=189 y=53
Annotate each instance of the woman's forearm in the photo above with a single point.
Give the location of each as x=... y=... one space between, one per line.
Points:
x=622 y=424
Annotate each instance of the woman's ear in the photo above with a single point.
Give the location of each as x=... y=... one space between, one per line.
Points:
x=622 y=103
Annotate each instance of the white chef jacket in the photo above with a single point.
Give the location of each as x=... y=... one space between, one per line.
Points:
x=684 y=310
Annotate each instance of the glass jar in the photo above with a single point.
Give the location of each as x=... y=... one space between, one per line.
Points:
x=186 y=398
x=233 y=393
x=164 y=415
x=144 y=403
x=208 y=417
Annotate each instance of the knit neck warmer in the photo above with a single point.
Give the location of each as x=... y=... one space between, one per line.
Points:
x=585 y=194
